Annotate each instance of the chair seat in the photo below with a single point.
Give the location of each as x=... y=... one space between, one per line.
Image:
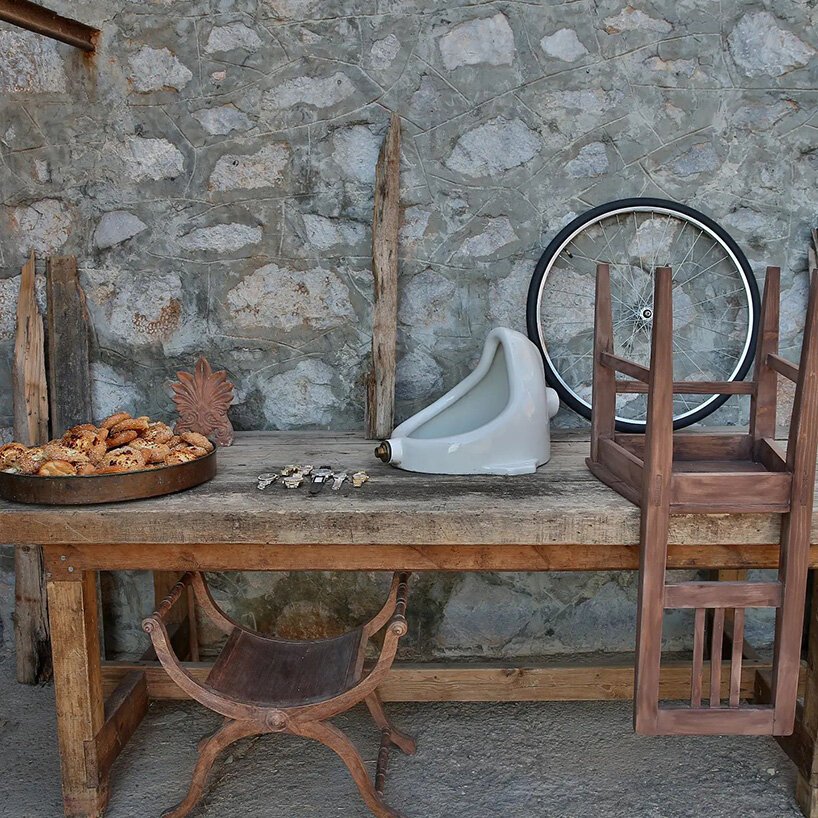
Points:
x=734 y=479
x=717 y=466
x=281 y=673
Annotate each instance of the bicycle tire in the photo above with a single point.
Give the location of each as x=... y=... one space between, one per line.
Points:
x=638 y=204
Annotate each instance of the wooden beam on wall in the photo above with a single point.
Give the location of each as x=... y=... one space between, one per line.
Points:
x=69 y=375
x=380 y=403
x=40 y=20
x=30 y=395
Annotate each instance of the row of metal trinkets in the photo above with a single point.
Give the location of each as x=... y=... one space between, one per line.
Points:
x=292 y=477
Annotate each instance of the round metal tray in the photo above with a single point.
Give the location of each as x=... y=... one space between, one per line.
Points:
x=107 y=488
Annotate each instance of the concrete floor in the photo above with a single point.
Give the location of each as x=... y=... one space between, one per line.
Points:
x=550 y=760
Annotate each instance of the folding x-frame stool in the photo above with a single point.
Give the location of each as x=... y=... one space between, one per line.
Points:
x=265 y=685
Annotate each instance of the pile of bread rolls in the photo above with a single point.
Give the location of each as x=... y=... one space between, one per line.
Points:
x=120 y=443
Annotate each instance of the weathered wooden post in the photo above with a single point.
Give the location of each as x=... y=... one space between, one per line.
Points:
x=380 y=403
x=69 y=376
x=30 y=427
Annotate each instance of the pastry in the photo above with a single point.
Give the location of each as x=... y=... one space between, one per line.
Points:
x=131 y=424
x=30 y=460
x=82 y=427
x=112 y=420
x=57 y=450
x=178 y=457
x=154 y=452
x=196 y=451
x=10 y=453
x=158 y=433
x=57 y=468
x=121 y=439
x=87 y=439
x=195 y=439
x=123 y=459
x=120 y=443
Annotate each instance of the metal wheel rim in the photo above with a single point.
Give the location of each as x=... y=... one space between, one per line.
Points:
x=680 y=216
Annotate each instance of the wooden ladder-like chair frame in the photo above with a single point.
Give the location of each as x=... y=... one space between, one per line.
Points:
x=234 y=688
x=699 y=472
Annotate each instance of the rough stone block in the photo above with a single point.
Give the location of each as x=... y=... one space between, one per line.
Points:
x=150 y=159
x=301 y=397
x=43 y=226
x=262 y=169
x=496 y=146
x=9 y=292
x=564 y=45
x=30 y=64
x=156 y=69
x=223 y=120
x=116 y=227
x=231 y=37
x=488 y=40
x=288 y=299
x=221 y=238
x=760 y=46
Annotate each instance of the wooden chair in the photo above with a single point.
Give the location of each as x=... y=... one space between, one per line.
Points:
x=667 y=474
x=265 y=685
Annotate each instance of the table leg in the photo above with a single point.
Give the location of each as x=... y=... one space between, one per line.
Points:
x=807 y=787
x=73 y=614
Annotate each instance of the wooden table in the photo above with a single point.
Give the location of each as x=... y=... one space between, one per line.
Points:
x=560 y=519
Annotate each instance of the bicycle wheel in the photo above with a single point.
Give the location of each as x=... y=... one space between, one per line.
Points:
x=715 y=302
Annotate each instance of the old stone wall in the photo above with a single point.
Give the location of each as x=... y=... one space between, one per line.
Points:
x=212 y=169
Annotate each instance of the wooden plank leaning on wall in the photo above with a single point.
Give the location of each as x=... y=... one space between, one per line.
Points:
x=380 y=399
x=53 y=397
x=30 y=395
x=69 y=371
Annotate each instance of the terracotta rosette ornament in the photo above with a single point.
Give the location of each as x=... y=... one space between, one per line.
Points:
x=202 y=400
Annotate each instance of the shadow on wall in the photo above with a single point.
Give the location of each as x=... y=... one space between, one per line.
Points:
x=454 y=616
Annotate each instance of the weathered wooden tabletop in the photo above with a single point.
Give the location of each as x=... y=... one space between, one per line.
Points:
x=562 y=504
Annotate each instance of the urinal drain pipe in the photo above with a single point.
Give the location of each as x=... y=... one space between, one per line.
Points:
x=384 y=451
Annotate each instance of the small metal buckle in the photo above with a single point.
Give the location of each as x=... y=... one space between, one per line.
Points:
x=359 y=478
x=293 y=481
x=266 y=479
x=319 y=477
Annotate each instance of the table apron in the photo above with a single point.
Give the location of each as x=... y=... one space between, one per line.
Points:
x=63 y=560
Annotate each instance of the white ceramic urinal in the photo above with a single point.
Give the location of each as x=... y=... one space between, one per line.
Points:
x=495 y=421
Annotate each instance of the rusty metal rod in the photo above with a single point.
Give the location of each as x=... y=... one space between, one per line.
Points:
x=40 y=20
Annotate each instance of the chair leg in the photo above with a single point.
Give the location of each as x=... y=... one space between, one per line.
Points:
x=330 y=736
x=209 y=750
x=404 y=743
x=205 y=738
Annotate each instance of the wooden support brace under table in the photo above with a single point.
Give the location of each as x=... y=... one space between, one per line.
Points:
x=598 y=680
